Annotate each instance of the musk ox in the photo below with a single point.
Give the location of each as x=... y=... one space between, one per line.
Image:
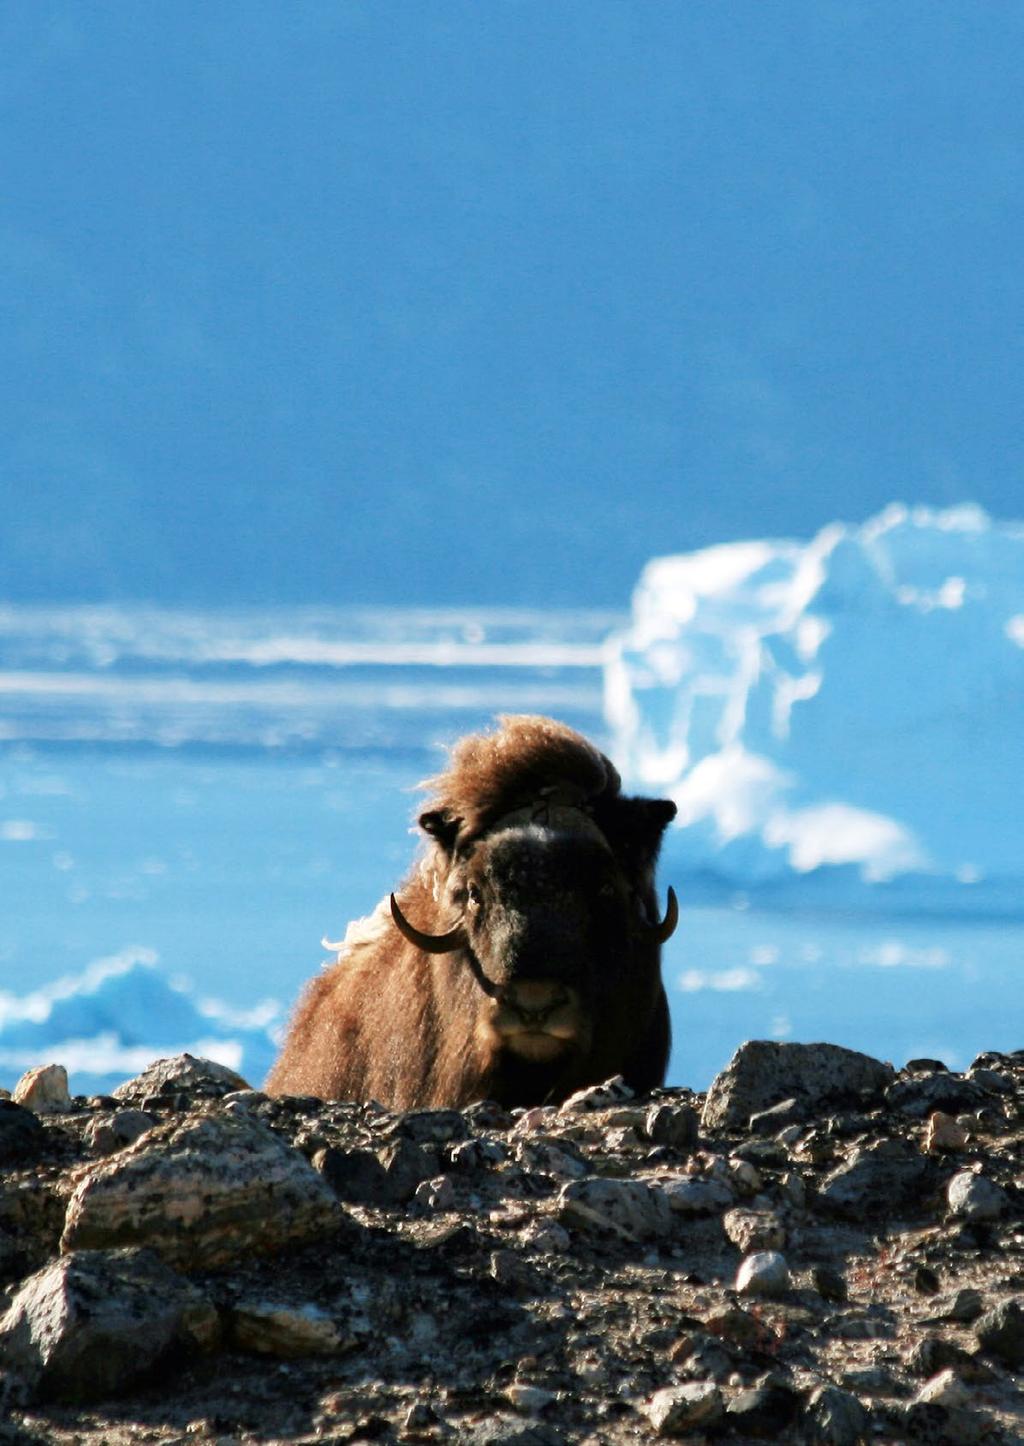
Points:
x=520 y=960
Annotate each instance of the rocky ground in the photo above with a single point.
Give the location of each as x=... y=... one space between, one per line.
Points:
x=819 y=1250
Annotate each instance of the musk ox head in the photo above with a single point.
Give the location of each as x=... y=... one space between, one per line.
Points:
x=547 y=899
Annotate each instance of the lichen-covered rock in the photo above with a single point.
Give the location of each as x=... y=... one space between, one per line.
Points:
x=44 y=1090
x=695 y=1195
x=943 y=1091
x=885 y=1175
x=834 y=1417
x=679 y=1410
x=764 y=1072
x=674 y=1125
x=201 y=1193
x=751 y=1230
x=627 y=1207
x=181 y=1072
x=94 y=1322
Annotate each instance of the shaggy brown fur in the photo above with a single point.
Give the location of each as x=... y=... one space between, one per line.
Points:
x=408 y=1028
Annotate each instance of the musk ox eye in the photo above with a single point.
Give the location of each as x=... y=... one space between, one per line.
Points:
x=474 y=896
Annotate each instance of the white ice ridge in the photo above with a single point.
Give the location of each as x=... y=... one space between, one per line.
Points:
x=856 y=700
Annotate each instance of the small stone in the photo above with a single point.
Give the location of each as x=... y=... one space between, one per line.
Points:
x=406 y=1166
x=974 y=1197
x=793 y=1190
x=273 y=1329
x=871 y=1381
x=628 y=1207
x=778 y=1117
x=247 y=1099
x=932 y=1354
x=967 y=1305
x=419 y=1416
x=835 y=1417
x=693 y=1195
x=937 y=1425
x=123 y=1127
x=529 y=1399
x=537 y=1118
x=355 y=1176
x=44 y=1090
x=677 y=1410
x=763 y=1273
x=1001 y=1331
x=547 y=1236
x=763 y=1410
x=745 y=1178
x=829 y=1283
x=944 y=1389
x=880 y=1177
x=510 y=1270
x=479 y=1154
x=614 y=1091
x=434 y=1127
x=944 y=1134
x=923 y=1094
x=436 y=1194
x=991 y=1079
x=674 y=1125
x=736 y=1325
x=545 y=1155
x=753 y=1230
x=926 y=1280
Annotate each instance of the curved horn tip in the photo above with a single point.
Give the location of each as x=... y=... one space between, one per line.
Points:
x=667 y=927
x=429 y=943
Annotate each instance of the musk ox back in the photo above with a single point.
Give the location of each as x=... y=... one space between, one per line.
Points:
x=520 y=960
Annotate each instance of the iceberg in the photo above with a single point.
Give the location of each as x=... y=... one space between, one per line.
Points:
x=844 y=713
x=121 y=1013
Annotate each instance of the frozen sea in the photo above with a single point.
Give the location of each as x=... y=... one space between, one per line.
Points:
x=189 y=802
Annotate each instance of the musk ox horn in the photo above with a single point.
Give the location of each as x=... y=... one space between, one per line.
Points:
x=667 y=927
x=429 y=943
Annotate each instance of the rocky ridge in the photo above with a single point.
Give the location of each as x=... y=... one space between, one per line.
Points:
x=822 y=1249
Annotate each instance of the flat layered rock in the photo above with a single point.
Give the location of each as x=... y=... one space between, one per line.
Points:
x=202 y=1193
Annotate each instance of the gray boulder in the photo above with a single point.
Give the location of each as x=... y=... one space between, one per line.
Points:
x=763 y=1072
x=94 y=1322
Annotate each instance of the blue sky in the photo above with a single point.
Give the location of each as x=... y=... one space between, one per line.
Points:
x=490 y=302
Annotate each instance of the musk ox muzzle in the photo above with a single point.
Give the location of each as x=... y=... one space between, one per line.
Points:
x=457 y=937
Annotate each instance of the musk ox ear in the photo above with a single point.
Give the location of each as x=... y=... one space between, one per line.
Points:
x=441 y=825
x=633 y=827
